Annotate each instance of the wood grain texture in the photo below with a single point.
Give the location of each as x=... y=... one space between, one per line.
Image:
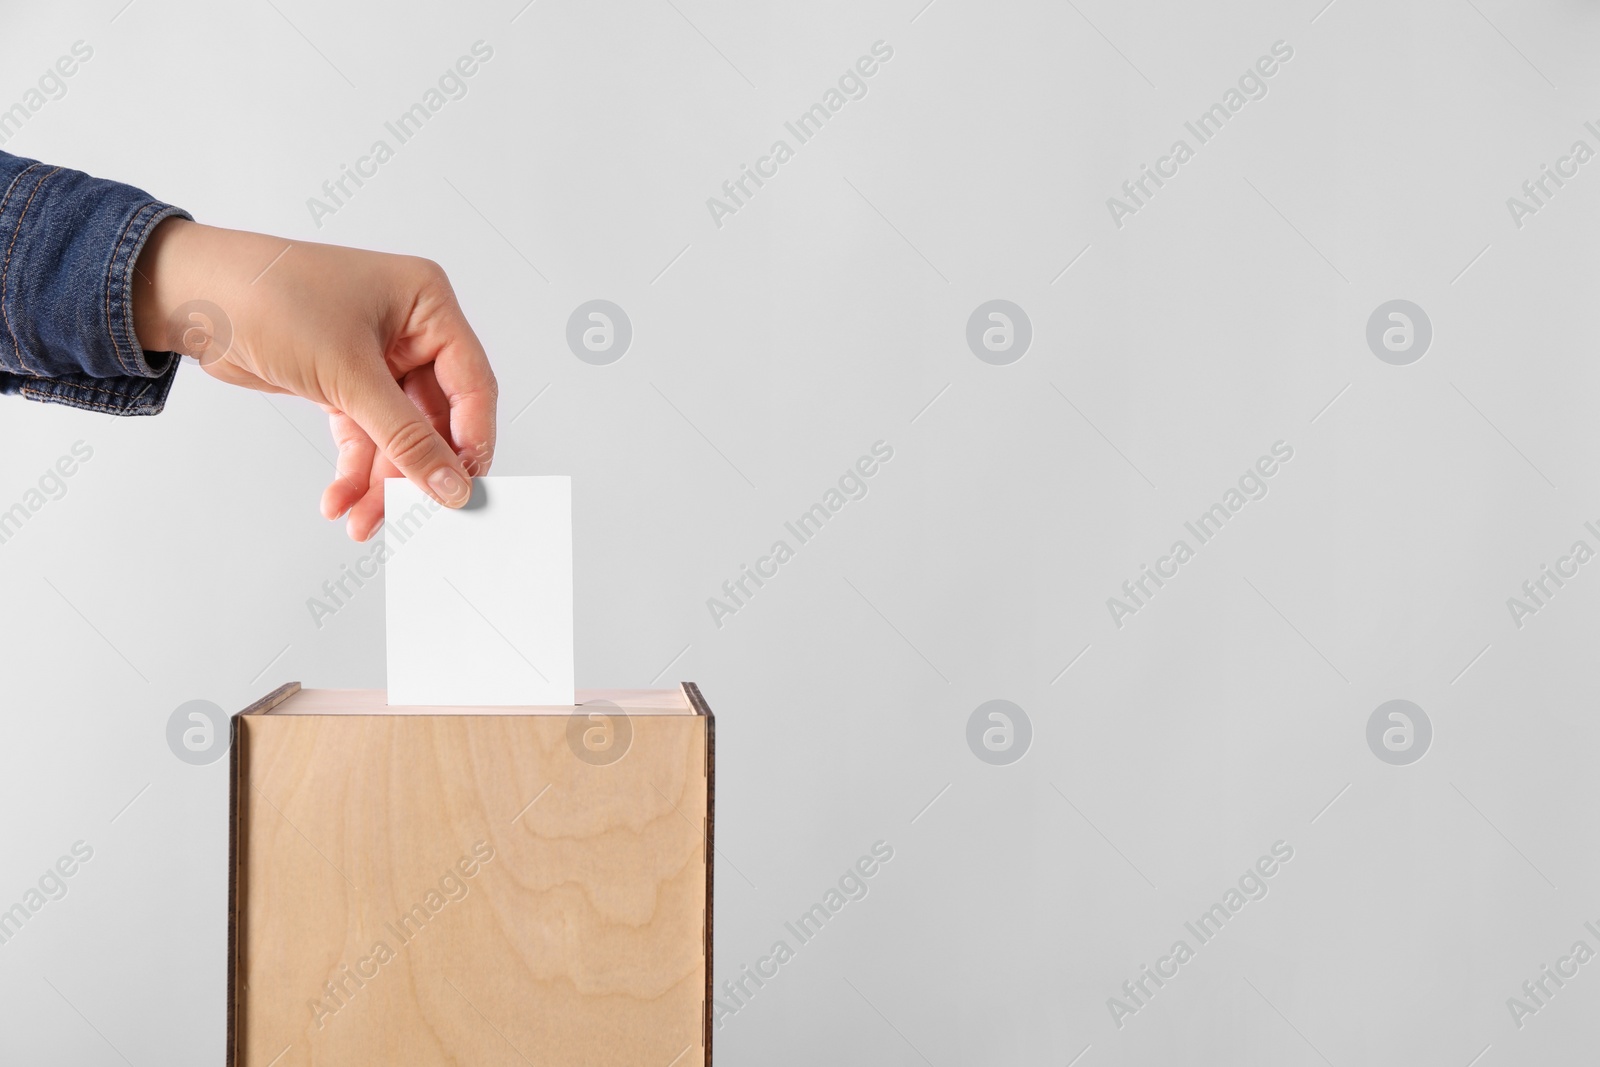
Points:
x=397 y=857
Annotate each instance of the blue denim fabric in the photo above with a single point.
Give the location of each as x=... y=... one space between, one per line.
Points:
x=68 y=245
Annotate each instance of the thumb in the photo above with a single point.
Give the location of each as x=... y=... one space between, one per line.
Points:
x=404 y=435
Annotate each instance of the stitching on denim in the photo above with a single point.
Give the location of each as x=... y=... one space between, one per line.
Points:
x=116 y=342
x=3 y=317
x=23 y=173
x=52 y=387
x=33 y=392
x=58 y=384
x=21 y=217
x=5 y=270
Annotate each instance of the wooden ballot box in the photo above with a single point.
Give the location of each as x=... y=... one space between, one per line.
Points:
x=471 y=886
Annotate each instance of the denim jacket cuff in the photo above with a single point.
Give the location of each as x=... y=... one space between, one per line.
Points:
x=71 y=245
x=143 y=390
x=128 y=395
x=119 y=284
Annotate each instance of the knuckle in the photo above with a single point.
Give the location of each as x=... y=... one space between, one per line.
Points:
x=411 y=445
x=431 y=273
x=478 y=459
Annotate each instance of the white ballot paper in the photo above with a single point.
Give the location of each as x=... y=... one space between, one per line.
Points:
x=479 y=600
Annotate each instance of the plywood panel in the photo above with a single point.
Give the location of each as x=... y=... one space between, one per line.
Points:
x=465 y=890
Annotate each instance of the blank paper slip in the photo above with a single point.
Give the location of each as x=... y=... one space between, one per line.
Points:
x=479 y=600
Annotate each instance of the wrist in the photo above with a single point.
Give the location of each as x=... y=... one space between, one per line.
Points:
x=184 y=283
x=153 y=282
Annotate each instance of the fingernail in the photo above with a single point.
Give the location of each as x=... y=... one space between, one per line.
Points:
x=449 y=487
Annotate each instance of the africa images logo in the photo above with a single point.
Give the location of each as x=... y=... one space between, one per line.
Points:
x=999 y=332
x=999 y=732
x=198 y=732
x=599 y=332
x=1252 y=85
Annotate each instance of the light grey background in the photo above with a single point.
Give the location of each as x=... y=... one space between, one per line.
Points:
x=767 y=355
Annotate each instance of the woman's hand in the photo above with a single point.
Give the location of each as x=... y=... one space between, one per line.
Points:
x=378 y=340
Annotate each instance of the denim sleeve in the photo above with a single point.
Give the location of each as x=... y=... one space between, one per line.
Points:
x=68 y=245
